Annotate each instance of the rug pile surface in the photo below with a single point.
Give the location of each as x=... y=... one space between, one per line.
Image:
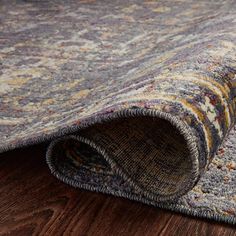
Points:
x=137 y=98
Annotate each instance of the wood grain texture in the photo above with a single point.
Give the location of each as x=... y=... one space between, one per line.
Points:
x=33 y=202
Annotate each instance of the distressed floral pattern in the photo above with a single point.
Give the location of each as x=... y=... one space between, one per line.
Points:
x=65 y=64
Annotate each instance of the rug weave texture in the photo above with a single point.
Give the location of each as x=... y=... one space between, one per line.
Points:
x=137 y=98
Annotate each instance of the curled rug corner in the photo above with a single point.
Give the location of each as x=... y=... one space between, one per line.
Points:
x=138 y=98
x=151 y=157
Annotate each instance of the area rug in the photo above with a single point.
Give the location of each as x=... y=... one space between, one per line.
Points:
x=137 y=98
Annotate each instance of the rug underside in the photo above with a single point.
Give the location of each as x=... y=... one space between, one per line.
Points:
x=138 y=98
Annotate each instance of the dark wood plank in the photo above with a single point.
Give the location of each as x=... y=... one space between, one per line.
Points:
x=33 y=202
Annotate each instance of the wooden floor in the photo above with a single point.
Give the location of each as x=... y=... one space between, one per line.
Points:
x=33 y=202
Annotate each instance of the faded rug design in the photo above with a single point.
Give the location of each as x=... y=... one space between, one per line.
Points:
x=137 y=98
